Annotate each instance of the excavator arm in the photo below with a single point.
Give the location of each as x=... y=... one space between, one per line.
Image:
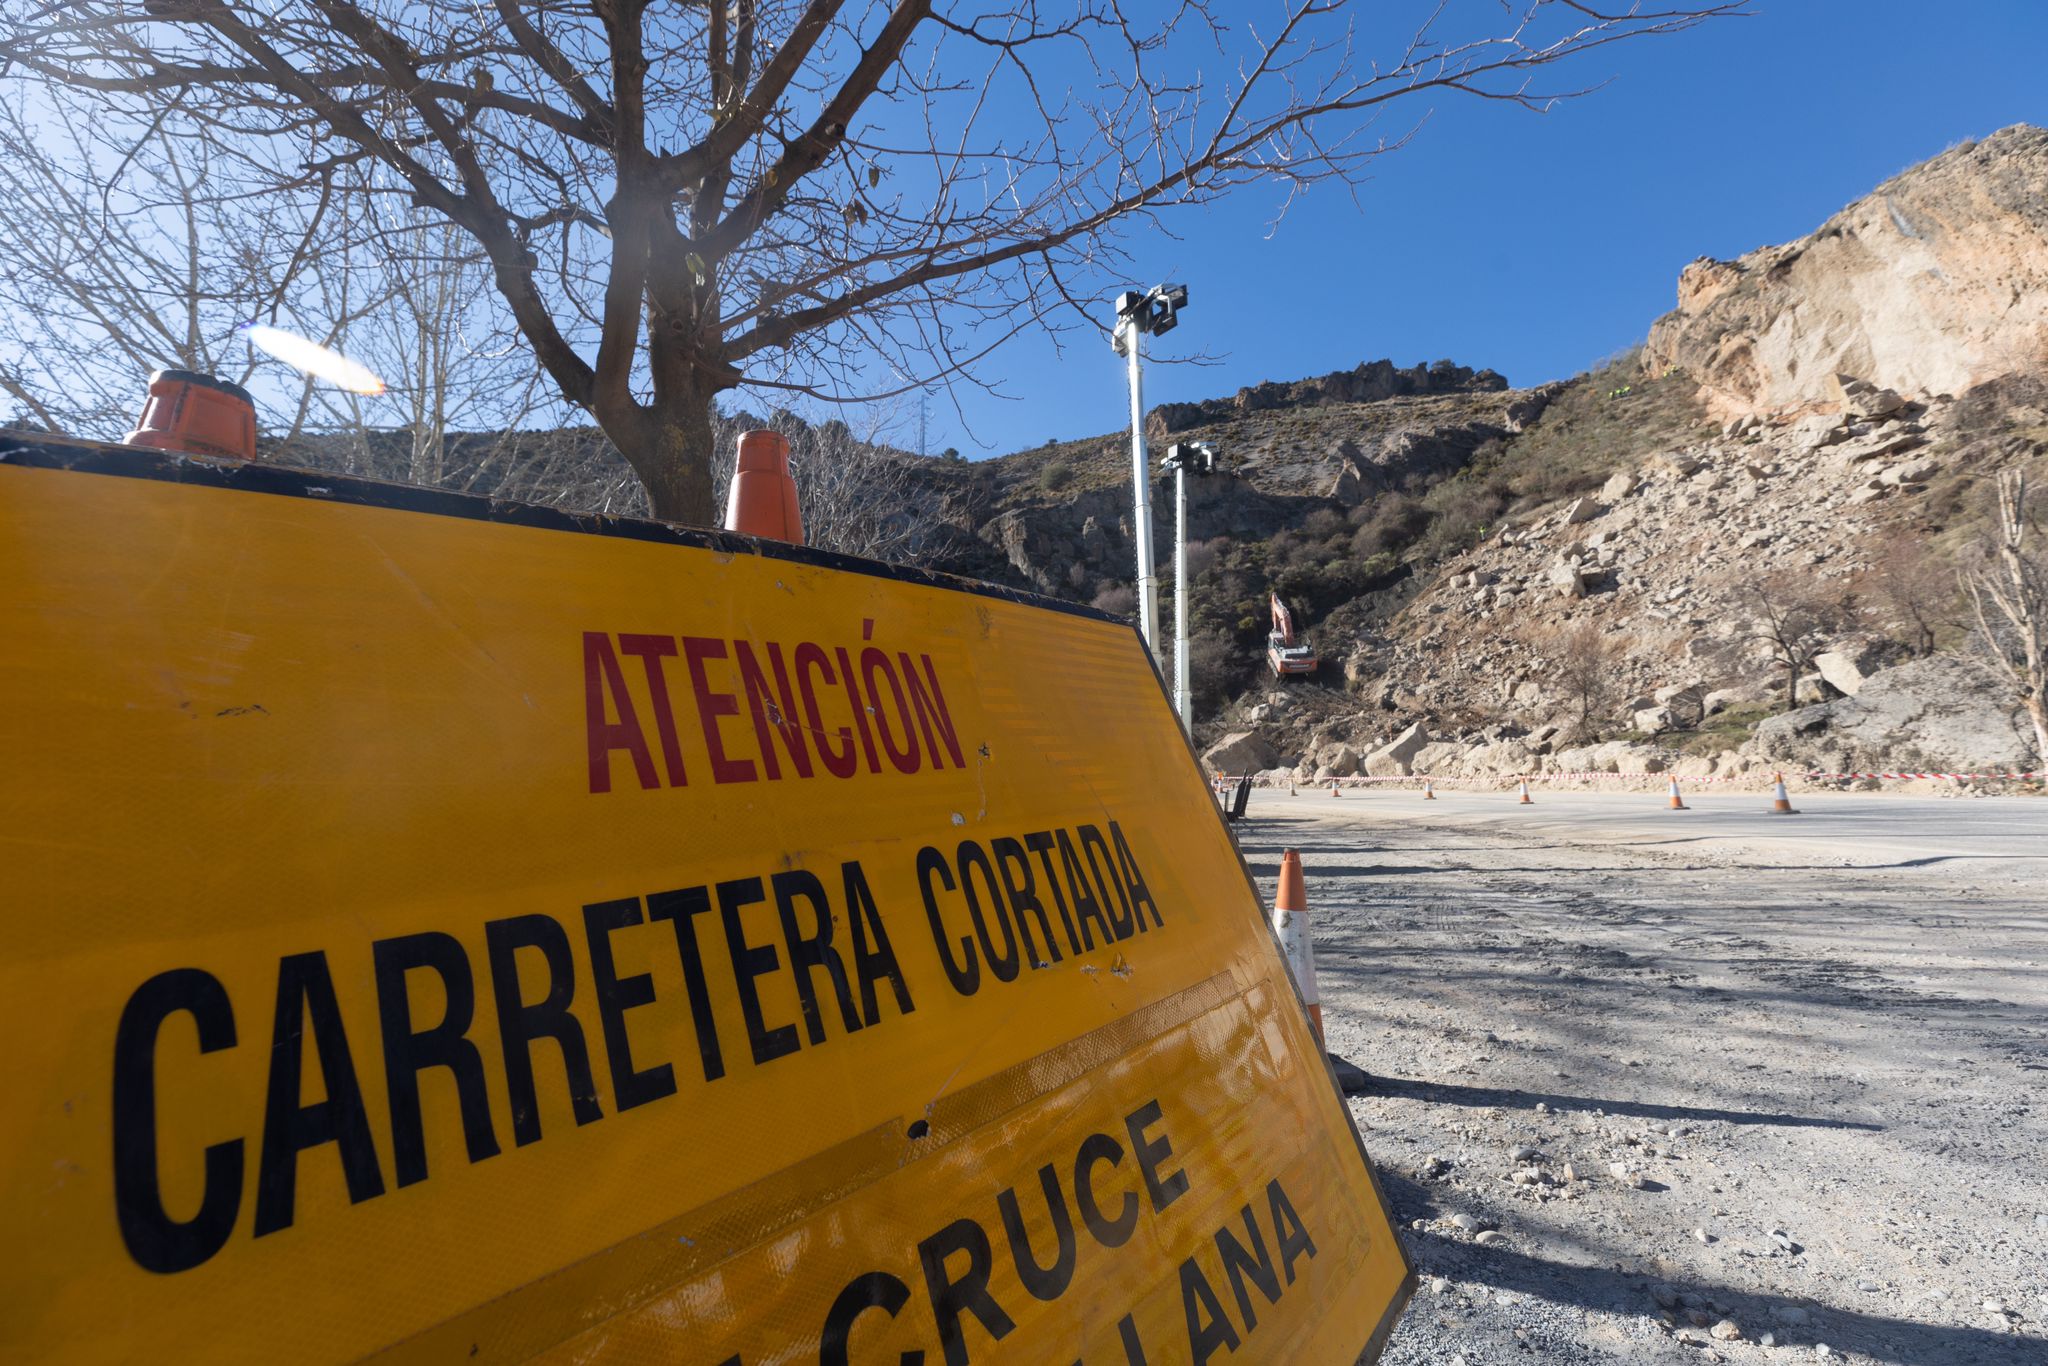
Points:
x=1283 y=621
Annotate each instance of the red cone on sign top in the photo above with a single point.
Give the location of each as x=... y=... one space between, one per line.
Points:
x=762 y=501
x=197 y=414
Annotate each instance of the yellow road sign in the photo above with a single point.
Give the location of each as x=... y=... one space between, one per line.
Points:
x=439 y=931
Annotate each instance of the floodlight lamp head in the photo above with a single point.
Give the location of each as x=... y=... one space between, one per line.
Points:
x=1166 y=303
x=1128 y=303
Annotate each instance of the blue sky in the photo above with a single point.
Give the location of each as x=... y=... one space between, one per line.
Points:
x=1539 y=244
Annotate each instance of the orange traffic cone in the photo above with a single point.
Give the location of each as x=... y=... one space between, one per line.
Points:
x=762 y=501
x=1333 y=788
x=1429 y=789
x=197 y=414
x=1677 y=802
x=1290 y=924
x=1525 y=793
x=1290 y=788
x=1781 y=801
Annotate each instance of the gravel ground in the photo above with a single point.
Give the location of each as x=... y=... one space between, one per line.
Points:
x=1659 y=1086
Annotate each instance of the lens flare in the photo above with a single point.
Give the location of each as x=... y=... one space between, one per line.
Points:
x=313 y=359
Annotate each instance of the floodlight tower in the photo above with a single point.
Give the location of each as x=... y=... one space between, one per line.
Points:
x=1155 y=311
x=1184 y=457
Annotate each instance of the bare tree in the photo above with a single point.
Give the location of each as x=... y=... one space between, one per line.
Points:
x=1913 y=588
x=125 y=252
x=675 y=200
x=2007 y=586
x=1582 y=662
x=1793 y=615
x=116 y=262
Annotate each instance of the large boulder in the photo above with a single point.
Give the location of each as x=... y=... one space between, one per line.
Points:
x=1850 y=663
x=1244 y=751
x=1861 y=398
x=1654 y=720
x=1637 y=759
x=1337 y=760
x=1502 y=757
x=1618 y=487
x=1941 y=714
x=1396 y=758
x=1436 y=758
x=1572 y=578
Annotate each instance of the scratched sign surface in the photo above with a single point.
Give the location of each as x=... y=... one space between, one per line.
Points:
x=444 y=932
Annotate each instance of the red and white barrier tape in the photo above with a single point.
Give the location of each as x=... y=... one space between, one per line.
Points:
x=1760 y=777
x=1952 y=777
x=1659 y=778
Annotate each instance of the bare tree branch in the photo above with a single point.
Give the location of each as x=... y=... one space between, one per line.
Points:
x=816 y=196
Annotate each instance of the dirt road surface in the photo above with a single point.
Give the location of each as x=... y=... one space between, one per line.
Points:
x=1712 y=1085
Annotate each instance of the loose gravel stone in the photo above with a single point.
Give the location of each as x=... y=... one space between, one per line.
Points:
x=1846 y=1044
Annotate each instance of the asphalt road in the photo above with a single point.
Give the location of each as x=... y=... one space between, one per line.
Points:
x=1863 y=830
x=1658 y=1086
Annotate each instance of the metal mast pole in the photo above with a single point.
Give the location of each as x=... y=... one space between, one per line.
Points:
x=1141 y=516
x=1183 y=700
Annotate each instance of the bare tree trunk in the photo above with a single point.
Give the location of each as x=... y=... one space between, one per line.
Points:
x=2008 y=588
x=672 y=451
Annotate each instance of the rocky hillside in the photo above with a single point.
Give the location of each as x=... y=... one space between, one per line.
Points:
x=1731 y=549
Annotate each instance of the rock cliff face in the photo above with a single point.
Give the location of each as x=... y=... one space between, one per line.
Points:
x=1370 y=382
x=1934 y=283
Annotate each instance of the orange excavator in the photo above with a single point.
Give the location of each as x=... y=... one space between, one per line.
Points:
x=1285 y=653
